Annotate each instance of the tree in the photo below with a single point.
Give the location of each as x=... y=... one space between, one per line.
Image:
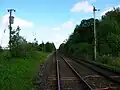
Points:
x=109 y=33
x=113 y=14
x=19 y=46
x=41 y=47
x=108 y=36
x=49 y=47
x=1 y=49
x=82 y=36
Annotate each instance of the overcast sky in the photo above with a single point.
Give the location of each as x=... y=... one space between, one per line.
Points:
x=49 y=20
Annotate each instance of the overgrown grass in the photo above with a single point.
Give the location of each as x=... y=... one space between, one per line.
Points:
x=115 y=63
x=17 y=73
x=111 y=62
x=108 y=61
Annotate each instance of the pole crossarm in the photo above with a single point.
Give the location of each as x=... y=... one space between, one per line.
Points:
x=94 y=9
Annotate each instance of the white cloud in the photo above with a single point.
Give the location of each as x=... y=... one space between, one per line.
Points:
x=65 y=26
x=4 y=37
x=17 y=21
x=55 y=34
x=65 y=30
x=59 y=39
x=108 y=9
x=68 y=25
x=22 y=23
x=56 y=29
x=82 y=6
x=103 y=13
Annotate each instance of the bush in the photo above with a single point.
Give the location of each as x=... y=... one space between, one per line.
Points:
x=116 y=62
x=1 y=49
x=5 y=55
x=104 y=59
x=83 y=50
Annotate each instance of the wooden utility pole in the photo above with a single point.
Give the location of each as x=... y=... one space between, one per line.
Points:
x=11 y=20
x=95 y=39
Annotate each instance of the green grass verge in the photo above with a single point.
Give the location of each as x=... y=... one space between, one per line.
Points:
x=111 y=62
x=17 y=73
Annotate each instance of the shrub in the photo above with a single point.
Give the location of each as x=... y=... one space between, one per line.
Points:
x=116 y=62
x=104 y=59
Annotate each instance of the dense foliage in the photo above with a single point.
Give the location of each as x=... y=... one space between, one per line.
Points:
x=21 y=48
x=47 y=47
x=80 y=42
x=1 y=49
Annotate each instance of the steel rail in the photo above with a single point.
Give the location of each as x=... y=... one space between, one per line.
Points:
x=58 y=74
x=88 y=86
x=111 y=79
x=98 y=65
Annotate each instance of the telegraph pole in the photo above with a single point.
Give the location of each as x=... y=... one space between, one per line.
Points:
x=11 y=18
x=95 y=40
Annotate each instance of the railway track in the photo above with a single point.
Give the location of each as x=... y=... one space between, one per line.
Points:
x=60 y=75
x=69 y=78
x=63 y=73
x=98 y=78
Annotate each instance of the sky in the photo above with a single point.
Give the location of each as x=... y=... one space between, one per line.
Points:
x=49 y=20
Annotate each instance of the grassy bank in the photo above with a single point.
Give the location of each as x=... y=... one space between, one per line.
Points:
x=109 y=61
x=17 y=73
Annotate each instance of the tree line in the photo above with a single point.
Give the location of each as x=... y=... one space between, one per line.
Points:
x=80 y=42
x=20 y=47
